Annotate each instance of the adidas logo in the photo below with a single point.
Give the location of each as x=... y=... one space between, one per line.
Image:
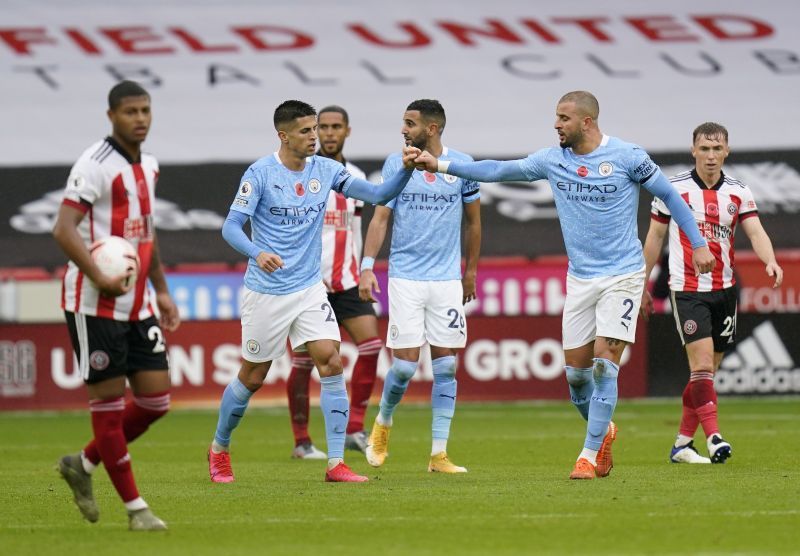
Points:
x=761 y=364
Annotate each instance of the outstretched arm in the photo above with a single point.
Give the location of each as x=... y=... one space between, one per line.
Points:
x=380 y=194
x=485 y=170
x=659 y=186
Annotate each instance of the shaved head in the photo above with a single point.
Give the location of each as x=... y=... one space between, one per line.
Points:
x=585 y=102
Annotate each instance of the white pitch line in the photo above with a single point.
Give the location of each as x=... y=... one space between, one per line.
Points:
x=311 y=520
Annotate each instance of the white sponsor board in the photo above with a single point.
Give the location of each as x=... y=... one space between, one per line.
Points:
x=760 y=364
x=216 y=70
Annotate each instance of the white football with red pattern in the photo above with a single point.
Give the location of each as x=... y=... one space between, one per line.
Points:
x=114 y=256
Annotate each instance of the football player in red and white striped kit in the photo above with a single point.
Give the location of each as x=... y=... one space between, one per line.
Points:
x=705 y=305
x=341 y=251
x=113 y=325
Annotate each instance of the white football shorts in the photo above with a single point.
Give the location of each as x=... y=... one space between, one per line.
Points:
x=607 y=306
x=267 y=320
x=426 y=310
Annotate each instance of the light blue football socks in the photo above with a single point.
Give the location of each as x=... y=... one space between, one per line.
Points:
x=231 y=410
x=394 y=387
x=581 y=386
x=336 y=410
x=443 y=401
x=603 y=402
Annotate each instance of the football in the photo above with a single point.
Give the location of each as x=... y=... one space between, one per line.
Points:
x=114 y=256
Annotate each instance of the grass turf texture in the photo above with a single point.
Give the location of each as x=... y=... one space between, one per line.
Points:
x=516 y=498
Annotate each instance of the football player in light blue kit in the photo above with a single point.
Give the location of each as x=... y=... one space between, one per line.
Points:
x=426 y=290
x=595 y=181
x=284 y=197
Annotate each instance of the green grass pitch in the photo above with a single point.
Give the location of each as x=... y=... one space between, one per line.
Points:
x=516 y=498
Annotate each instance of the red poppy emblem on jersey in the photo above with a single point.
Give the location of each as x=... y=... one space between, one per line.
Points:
x=430 y=178
x=712 y=209
x=689 y=327
x=583 y=171
x=299 y=189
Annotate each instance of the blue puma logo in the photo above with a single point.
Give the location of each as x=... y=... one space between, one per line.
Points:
x=446 y=396
x=340 y=411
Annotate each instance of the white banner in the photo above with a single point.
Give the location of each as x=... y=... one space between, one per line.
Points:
x=217 y=69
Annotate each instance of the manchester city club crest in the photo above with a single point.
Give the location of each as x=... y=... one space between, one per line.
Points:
x=253 y=346
x=605 y=169
x=314 y=185
x=449 y=179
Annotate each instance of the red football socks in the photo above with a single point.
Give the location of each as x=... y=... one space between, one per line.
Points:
x=110 y=441
x=363 y=380
x=689 y=419
x=704 y=398
x=139 y=414
x=297 y=392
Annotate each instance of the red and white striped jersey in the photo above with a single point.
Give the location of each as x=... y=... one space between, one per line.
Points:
x=117 y=196
x=341 y=239
x=717 y=211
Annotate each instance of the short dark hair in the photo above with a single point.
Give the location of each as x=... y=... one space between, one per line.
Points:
x=430 y=109
x=125 y=89
x=290 y=110
x=712 y=130
x=584 y=101
x=338 y=110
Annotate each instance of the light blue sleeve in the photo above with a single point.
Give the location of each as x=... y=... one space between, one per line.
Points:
x=488 y=170
x=248 y=194
x=640 y=167
x=536 y=165
x=470 y=191
x=390 y=167
x=233 y=233
x=659 y=185
x=377 y=194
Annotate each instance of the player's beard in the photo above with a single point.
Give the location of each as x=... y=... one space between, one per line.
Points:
x=570 y=141
x=420 y=143
x=328 y=154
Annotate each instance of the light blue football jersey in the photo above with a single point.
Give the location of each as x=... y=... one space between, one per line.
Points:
x=426 y=229
x=287 y=210
x=597 y=198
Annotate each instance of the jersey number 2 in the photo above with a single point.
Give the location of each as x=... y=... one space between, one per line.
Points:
x=154 y=334
x=458 y=320
x=329 y=316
